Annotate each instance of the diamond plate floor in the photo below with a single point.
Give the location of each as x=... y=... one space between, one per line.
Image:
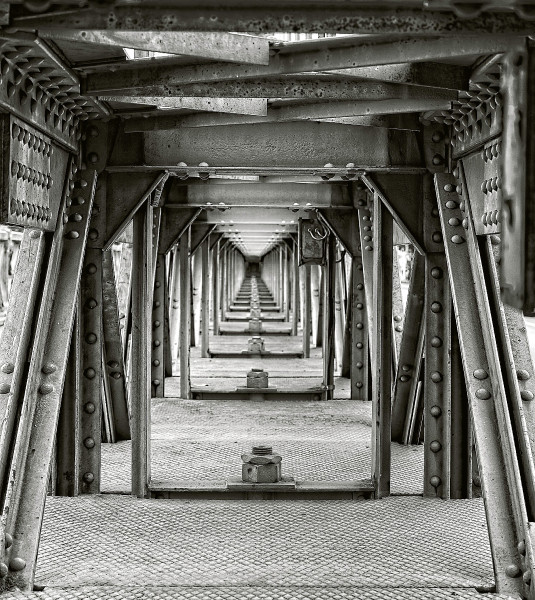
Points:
x=301 y=547
x=202 y=441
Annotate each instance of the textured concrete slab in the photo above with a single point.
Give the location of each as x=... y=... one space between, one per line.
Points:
x=402 y=542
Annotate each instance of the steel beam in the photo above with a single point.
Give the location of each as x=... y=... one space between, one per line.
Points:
x=382 y=347
x=329 y=308
x=140 y=388
x=289 y=145
x=337 y=55
x=223 y=46
x=156 y=99
x=158 y=327
x=184 y=254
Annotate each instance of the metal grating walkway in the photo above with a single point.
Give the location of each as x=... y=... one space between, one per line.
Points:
x=400 y=547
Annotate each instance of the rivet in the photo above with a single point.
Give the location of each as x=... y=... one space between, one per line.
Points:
x=89 y=408
x=72 y=235
x=8 y=368
x=89 y=477
x=435 y=446
x=454 y=222
x=93 y=234
x=495 y=240
x=5 y=388
x=451 y=204
x=461 y=206
x=437 y=136
x=156 y=323
x=360 y=325
x=46 y=388
x=398 y=328
x=156 y=362
x=368 y=248
x=404 y=378
x=89 y=442
x=465 y=223
x=91 y=338
x=521 y=547
x=90 y=373
x=91 y=269
x=113 y=364
x=457 y=239
x=17 y=564
x=359 y=365
x=8 y=540
x=76 y=217
x=359 y=345
x=397 y=318
x=437 y=159
x=360 y=286
x=434 y=211
x=92 y=157
x=480 y=374
x=526 y=577
x=156 y=382
x=406 y=368
x=482 y=394
x=436 y=342
x=359 y=384
x=156 y=343
x=91 y=303
x=157 y=304
x=512 y=571
x=116 y=375
x=522 y=374
x=3 y=570
x=526 y=395
x=436 y=307
x=436 y=272
x=437 y=237
x=360 y=306
x=436 y=377
x=435 y=411
x=157 y=284
x=435 y=481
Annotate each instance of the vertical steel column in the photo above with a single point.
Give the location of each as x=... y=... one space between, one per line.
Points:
x=174 y=317
x=185 y=313
x=382 y=347
x=140 y=389
x=307 y=313
x=397 y=309
x=216 y=288
x=329 y=317
x=197 y=263
x=113 y=356
x=366 y=244
x=437 y=378
x=224 y=283
x=68 y=436
x=315 y=285
x=91 y=343
x=158 y=328
x=286 y=284
x=167 y=354
x=359 y=333
x=339 y=313
x=205 y=297
x=295 y=290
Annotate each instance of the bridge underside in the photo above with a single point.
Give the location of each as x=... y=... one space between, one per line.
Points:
x=266 y=273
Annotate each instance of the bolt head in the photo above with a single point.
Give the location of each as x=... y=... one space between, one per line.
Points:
x=89 y=477
x=17 y=564
x=89 y=442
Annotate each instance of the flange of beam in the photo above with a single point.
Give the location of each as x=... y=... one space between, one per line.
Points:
x=337 y=17
x=211 y=45
x=363 y=53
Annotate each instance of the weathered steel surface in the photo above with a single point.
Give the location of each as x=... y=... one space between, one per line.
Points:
x=291 y=144
x=437 y=378
x=175 y=221
x=91 y=388
x=140 y=388
x=410 y=355
x=362 y=53
x=344 y=224
x=360 y=365
x=23 y=507
x=184 y=270
x=329 y=308
x=215 y=46
x=156 y=99
x=382 y=347
x=113 y=355
x=32 y=175
x=501 y=486
x=158 y=328
x=517 y=269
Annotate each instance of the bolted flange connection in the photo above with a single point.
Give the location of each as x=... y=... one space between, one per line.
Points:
x=257 y=378
x=255 y=326
x=255 y=344
x=261 y=465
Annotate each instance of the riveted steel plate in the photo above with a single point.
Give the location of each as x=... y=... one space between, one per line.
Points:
x=201 y=441
x=33 y=176
x=247 y=593
x=395 y=542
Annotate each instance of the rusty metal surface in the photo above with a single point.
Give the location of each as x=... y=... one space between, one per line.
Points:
x=214 y=543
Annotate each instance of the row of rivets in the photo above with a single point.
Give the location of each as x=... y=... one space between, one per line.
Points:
x=493 y=184
x=22 y=171
x=32 y=211
x=492 y=217
x=31 y=140
x=491 y=152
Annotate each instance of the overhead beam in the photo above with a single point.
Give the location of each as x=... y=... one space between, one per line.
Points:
x=241 y=106
x=318 y=87
x=228 y=47
x=258 y=194
x=299 y=144
x=336 y=17
x=266 y=216
x=363 y=53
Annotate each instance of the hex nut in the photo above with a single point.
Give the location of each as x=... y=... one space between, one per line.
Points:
x=266 y=459
x=261 y=473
